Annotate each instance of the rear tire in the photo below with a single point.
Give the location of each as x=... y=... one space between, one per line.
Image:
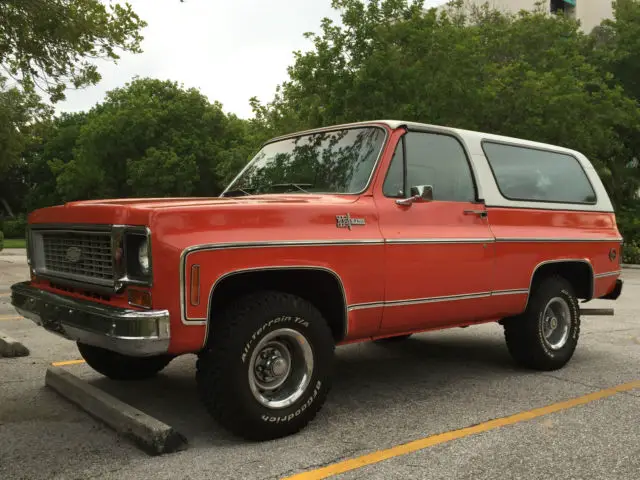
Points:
x=545 y=336
x=267 y=368
x=122 y=367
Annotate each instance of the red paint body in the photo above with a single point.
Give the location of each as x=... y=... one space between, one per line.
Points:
x=374 y=274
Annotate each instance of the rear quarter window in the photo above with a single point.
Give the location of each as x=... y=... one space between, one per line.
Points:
x=533 y=175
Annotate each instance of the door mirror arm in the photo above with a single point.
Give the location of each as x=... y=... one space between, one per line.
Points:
x=419 y=194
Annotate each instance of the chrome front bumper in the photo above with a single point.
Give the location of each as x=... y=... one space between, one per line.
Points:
x=137 y=333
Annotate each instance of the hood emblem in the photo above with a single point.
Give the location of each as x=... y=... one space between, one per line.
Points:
x=73 y=254
x=346 y=221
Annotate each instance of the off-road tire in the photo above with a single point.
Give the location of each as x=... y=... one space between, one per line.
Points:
x=122 y=367
x=396 y=339
x=223 y=367
x=524 y=333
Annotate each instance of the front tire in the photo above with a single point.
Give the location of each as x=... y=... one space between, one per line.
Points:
x=545 y=336
x=122 y=367
x=267 y=369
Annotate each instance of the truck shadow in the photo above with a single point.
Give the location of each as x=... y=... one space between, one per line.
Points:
x=372 y=383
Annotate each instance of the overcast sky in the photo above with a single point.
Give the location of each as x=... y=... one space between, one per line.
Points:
x=230 y=49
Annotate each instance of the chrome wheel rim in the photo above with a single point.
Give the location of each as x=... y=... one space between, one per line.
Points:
x=556 y=323
x=280 y=368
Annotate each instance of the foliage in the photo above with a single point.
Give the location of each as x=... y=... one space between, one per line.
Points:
x=617 y=45
x=52 y=148
x=1 y=240
x=49 y=44
x=14 y=227
x=631 y=252
x=17 y=111
x=150 y=138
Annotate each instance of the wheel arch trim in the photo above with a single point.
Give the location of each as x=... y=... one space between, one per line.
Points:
x=562 y=260
x=280 y=268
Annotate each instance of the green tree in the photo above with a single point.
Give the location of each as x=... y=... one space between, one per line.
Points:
x=46 y=46
x=152 y=138
x=17 y=112
x=616 y=49
x=47 y=153
x=617 y=45
x=50 y=44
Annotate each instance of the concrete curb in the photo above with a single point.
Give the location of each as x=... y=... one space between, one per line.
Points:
x=11 y=348
x=150 y=434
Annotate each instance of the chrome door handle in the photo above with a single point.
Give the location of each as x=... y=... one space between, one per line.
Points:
x=480 y=213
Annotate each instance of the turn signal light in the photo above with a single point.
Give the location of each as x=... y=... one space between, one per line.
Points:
x=195 y=285
x=140 y=298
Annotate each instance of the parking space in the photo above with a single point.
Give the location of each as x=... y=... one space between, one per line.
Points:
x=383 y=397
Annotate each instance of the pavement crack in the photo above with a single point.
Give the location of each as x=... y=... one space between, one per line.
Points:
x=609 y=331
x=599 y=387
x=568 y=380
x=631 y=394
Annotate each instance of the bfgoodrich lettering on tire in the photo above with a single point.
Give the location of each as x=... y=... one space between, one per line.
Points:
x=545 y=336
x=267 y=368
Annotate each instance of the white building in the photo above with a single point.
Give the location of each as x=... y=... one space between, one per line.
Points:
x=589 y=12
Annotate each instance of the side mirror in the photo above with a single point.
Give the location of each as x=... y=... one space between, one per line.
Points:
x=424 y=192
x=419 y=194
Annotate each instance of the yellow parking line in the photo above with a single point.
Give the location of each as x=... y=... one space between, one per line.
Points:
x=10 y=317
x=381 y=455
x=67 y=362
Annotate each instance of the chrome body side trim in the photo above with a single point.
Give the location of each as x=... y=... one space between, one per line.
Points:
x=359 y=242
x=282 y=268
x=513 y=291
x=556 y=239
x=242 y=245
x=137 y=333
x=446 y=298
x=439 y=241
x=608 y=274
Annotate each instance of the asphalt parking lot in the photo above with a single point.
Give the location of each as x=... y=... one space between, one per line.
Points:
x=423 y=390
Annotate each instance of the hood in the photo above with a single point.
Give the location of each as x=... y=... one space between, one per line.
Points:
x=138 y=211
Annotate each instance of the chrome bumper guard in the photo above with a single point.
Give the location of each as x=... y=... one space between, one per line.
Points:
x=137 y=333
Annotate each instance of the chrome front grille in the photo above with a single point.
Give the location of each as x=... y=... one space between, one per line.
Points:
x=84 y=256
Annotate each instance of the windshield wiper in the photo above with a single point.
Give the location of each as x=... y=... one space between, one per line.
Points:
x=297 y=185
x=235 y=193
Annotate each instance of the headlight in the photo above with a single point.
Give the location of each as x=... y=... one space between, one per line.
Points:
x=139 y=263
x=143 y=257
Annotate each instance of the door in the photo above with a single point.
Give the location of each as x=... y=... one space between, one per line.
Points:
x=439 y=252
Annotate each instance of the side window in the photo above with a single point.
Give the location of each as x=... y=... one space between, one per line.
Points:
x=533 y=175
x=394 y=181
x=439 y=161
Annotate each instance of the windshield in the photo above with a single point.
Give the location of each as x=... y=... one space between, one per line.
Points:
x=337 y=161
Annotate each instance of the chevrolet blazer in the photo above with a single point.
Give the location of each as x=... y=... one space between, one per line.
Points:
x=359 y=232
